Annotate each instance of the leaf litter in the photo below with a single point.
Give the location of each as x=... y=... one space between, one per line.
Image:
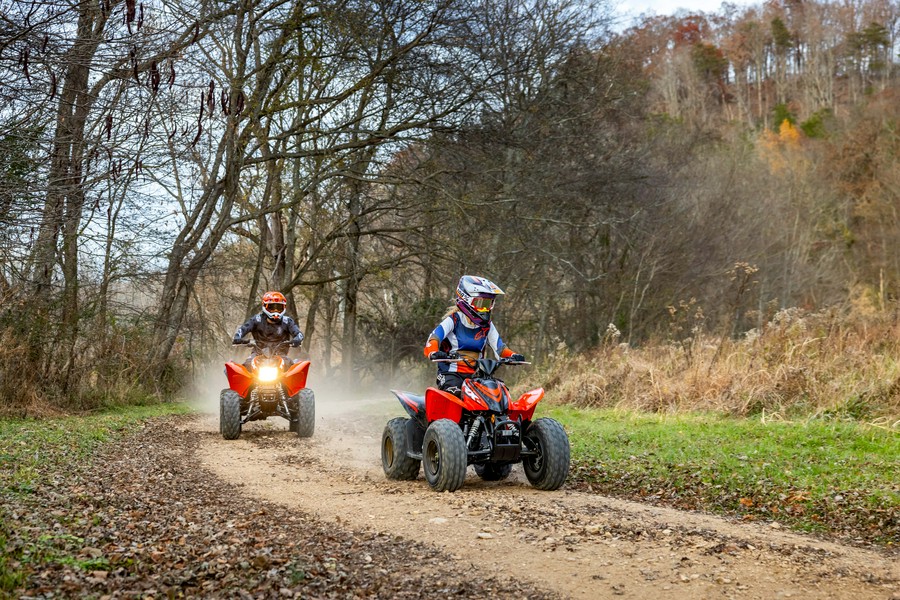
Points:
x=142 y=520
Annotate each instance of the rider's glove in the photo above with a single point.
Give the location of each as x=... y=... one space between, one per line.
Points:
x=517 y=357
x=298 y=339
x=439 y=355
x=239 y=340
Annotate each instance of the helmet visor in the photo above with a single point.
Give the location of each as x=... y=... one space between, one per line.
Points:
x=482 y=304
x=275 y=307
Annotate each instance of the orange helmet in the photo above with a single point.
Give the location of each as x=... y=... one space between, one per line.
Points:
x=273 y=304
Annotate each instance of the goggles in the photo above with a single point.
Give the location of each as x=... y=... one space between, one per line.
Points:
x=275 y=308
x=482 y=305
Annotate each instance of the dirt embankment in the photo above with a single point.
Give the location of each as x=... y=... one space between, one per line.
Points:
x=575 y=544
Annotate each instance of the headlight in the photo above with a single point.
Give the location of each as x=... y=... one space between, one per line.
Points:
x=267 y=374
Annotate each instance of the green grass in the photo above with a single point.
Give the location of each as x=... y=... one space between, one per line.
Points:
x=833 y=477
x=30 y=452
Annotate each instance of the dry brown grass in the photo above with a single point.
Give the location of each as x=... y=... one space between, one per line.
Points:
x=26 y=391
x=834 y=364
x=19 y=396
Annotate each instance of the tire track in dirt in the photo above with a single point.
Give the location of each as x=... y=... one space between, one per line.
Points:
x=577 y=544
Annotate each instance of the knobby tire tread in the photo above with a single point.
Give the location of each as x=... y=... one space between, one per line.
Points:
x=398 y=465
x=554 y=444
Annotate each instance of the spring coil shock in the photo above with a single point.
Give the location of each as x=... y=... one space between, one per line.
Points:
x=473 y=432
x=284 y=404
x=252 y=407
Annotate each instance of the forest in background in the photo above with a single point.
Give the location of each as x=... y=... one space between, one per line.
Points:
x=692 y=177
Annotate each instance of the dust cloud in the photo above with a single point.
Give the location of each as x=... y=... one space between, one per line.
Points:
x=208 y=381
x=341 y=408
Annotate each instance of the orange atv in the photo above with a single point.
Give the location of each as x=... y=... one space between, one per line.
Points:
x=269 y=388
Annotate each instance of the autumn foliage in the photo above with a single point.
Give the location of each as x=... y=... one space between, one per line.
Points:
x=154 y=180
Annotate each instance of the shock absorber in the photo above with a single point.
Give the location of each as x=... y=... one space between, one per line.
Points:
x=253 y=407
x=284 y=404
x=473 y=432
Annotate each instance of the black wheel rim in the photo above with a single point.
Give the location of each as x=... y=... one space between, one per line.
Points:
x=433 y=457
x=387 y=453
x=537 y=461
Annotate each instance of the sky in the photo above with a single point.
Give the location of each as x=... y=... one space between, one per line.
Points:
x=667 y=7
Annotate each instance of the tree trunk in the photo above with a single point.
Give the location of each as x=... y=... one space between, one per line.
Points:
x=65 y=191
x=253 y=295
x=351 y=289
x=180 y=277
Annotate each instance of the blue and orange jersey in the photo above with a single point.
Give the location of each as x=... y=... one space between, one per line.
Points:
x=456 y=333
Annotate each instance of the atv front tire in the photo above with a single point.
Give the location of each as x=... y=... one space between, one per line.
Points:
x=550 y=467
x=444 y=456
x=230 y=415
x=493 y=472
x=394 y=445
x=305 y=418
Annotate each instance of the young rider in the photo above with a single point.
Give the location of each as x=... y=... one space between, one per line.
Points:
x=270 y=327
x=467 y=330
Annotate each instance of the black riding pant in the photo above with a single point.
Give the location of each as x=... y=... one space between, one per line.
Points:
x=452 y=382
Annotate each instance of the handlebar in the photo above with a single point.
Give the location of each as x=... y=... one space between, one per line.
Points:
x=470 y=362
x=255 y=344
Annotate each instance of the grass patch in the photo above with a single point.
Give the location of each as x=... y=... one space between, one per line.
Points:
x=834 y=477
x=31 y=451
x=28 y=445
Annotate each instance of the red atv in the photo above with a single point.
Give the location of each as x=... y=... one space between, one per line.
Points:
x=484 y=428
x=267 y=389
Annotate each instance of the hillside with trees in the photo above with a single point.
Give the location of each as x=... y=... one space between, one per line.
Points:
x=680 y=183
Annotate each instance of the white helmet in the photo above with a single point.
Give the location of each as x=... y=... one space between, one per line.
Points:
x=475 y=298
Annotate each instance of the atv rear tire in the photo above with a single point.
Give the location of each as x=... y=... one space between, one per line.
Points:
x=549 y=469
x=444 y=456
x=394 y=445
x=305 y=422
x=230 y=415
x=493 y=472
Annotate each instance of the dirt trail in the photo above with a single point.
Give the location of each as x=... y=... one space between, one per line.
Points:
x=577 y=544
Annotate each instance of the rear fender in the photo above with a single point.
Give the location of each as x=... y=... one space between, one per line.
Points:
x=295 y=378
x=239 y=378
x=524 y=407
x=413 y=404
x=442 y=405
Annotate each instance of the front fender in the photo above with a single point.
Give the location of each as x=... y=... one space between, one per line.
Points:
x=295 y=378
x=525 y=405
x=239 y=378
